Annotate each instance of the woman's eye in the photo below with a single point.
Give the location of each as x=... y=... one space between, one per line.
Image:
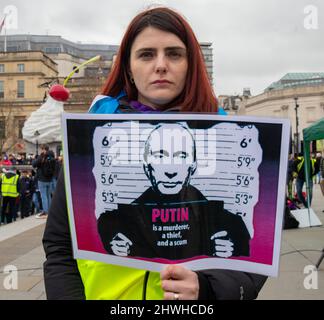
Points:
x=175 y=54
x=146 y=55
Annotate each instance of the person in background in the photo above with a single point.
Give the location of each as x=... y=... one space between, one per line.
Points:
x=322 y=168
x=10 y=188
x=19 y=160
x=318 y=160
x=12 y=159
x=290 y=175
x=5 y=161
x=322 y=175
x=36 y=199
x=26 y=193
x=299 y=168
x=45 y=164
x=58 y=166
x=29 y=158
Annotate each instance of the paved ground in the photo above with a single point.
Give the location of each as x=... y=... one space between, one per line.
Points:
x=24 y=251
x=20 y=246
x=299 y=248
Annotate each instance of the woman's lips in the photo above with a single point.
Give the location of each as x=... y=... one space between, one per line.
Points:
x=161 y=82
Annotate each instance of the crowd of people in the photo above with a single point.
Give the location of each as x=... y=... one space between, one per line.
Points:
x=296 y=176
x=27 y=184
x=13 y=159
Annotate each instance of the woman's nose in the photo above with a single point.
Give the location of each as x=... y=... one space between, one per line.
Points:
x=161 y=66
x=161 y=70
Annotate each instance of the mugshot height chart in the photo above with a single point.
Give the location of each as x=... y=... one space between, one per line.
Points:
x=225 y=172
x=238 y=162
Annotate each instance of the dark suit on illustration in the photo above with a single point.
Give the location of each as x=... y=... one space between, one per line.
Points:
x=149 y=239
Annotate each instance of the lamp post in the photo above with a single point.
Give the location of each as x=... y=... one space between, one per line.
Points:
x=297 y=135
x=36 y=134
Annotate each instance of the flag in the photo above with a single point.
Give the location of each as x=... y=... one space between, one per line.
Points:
x=2 y=24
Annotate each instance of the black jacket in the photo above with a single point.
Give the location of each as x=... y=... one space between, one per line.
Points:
x=38 y=163
x=202 y=219
x=63 y=280
x=26 y=186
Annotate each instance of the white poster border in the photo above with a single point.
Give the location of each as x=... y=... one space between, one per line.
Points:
x=200 y=264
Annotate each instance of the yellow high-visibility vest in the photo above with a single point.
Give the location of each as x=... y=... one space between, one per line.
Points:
x=301 y=163
x=9 y=186
x=103 y=281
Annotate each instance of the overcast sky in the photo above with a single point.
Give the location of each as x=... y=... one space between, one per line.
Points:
x=255 y=42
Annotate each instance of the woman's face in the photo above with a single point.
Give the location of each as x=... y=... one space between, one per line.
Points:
x=158 y=65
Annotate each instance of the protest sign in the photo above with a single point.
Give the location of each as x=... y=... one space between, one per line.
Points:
x=202 y=190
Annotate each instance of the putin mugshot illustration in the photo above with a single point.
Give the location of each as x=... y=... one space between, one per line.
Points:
x=172 y=219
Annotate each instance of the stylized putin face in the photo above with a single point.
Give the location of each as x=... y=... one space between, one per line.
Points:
x=170 y=158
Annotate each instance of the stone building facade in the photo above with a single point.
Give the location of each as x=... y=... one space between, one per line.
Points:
x=279 y=100
x=33 y=63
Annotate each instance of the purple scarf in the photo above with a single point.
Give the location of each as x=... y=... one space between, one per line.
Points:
x=141 y=107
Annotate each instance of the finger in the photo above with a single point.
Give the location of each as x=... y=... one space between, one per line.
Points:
x=121 y=248
x=171 y=296
x=123 y=237
x=223 y=254
x=224 y=242
x=119 y=252
x=219 y=235
x=223 y=249
x=173 y=272
x=118 y=243
x=166 y=273
x=188 y=289
x=171 y=285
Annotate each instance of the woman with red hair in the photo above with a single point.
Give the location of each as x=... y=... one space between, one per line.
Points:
x=159 y=67
x=163 y=43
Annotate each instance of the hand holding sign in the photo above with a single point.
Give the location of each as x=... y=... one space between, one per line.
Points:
x=223 y=248
x=120 y=245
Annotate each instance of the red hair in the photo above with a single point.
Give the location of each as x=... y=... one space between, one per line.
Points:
x=197 y=95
